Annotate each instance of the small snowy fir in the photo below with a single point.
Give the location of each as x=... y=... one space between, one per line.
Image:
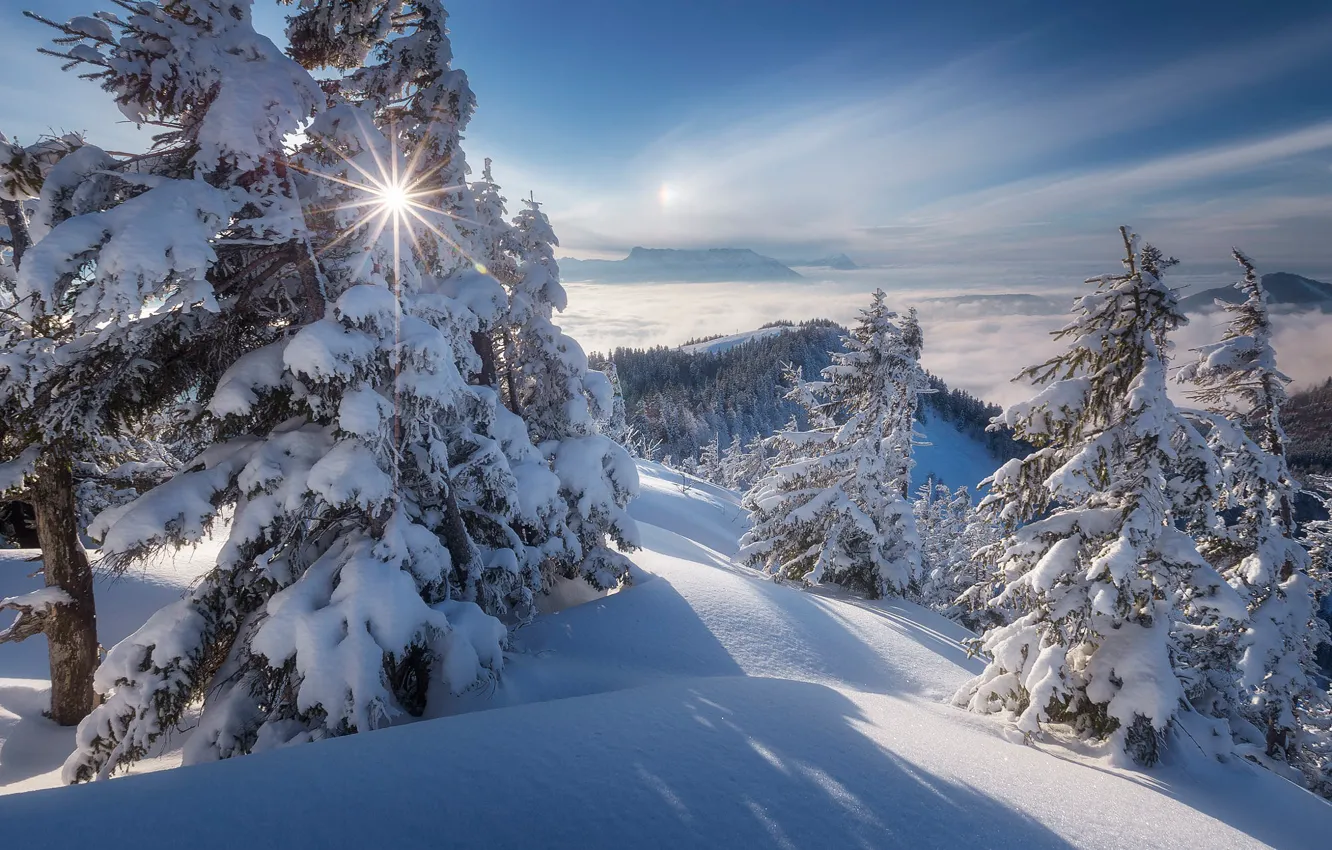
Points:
x=1099 y=572
x=834 y=507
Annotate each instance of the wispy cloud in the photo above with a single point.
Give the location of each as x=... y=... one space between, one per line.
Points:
x=907 y=170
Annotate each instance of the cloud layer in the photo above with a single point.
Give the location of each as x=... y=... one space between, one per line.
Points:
x=975 y=344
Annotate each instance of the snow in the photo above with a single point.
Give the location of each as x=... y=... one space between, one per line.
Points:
x=726 y=343
x=13 y=472
x=949 y=456
x=702 y=706
x=31 y=747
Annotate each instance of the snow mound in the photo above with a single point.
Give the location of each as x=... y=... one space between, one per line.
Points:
x=703 y=706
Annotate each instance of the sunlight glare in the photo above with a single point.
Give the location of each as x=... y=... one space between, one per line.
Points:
x=667 y=194
x=394 y=198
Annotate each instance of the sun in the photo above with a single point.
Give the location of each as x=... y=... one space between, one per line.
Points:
x=394 y=198
x=394 y=193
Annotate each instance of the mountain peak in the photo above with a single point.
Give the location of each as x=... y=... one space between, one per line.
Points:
x=1285 y=291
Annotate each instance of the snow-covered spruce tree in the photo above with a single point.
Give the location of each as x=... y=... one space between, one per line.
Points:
x=837 y=511
x=957 y=579
x=710 y=461
x=750 y=465
x=1315 y=716
x=1256 y=551
x=410 y=93
x=616 y=423
x=414 y=89
x=732 y=460
x=1099 y=571
x=334 y=605
x=192 y=230
x=562 y=400
x=64 y=610
x=491 y=243
x=937 y=529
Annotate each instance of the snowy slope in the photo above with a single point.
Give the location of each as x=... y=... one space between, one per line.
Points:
x=31 y=747
x=949 y=456
x=704 y=706
x=725 y=343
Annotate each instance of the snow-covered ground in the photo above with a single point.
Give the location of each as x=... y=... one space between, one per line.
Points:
x=704 y=706
x=726 y=343
x=949 y=456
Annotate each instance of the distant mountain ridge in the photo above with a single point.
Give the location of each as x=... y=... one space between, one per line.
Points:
x=840 y=262
x=672 y=265
x=1285 y=291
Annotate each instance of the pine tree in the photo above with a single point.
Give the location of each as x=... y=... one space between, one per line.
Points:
x=562 y=400
x=837 y=510
x=379 y=517
x=616 y=424
x=1238 y=379
x=710 y=461
x=1098 y=573
x=189 y=229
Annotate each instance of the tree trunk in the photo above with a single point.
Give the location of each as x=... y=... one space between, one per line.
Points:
x=311 y=289
x=456 y=538
x=18 y=229
x=71 y=633
x=510 y=377
x=485 y=349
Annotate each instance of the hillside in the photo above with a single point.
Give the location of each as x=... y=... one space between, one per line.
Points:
x=718 y=344
x=1308 y=424
x=704 y=706
x=731 y=386
x=1285 y=291
x=661 y=265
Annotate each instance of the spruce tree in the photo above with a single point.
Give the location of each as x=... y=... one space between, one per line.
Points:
x=1097 y=571
x=562 y=400
x=836 y=511
x=346 y=445
x=957 y=580
x=501 y=541
x=616 y=424
x=1256 y=550
x=710 y=461
x=193 y=229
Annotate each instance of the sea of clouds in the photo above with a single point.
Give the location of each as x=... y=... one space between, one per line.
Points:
x=976 y=339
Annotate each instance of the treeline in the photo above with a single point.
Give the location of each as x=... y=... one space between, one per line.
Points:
x=684 y=401
x=1309 y=429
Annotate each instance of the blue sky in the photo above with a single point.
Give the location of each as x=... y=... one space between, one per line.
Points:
x=901 y=133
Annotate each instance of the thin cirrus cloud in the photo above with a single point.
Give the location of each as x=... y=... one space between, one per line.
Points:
x=978 y=149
